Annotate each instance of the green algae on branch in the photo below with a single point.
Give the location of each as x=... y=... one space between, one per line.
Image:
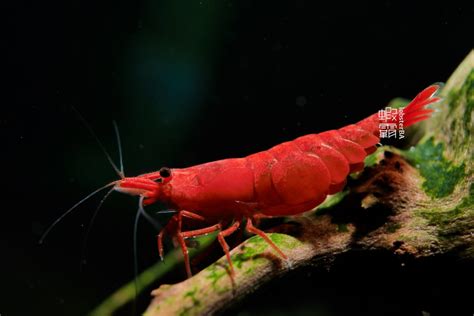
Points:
x=201 y=294
x=331 y=200
x=443 y=218
x=398 y=103
x=458 y=96
x=441 y=175
x=445 y=159
x=445 y=156
x=454 y=127
x=255 y=246
x=374 y=157
x=469 y=93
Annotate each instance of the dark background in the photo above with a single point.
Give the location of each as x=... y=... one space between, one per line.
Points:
x=190 y=82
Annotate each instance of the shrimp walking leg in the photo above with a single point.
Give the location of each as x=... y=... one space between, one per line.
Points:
x=192 y=215
x=160 y=243
x=252 y=229
x=224 y=244
x=221 y=238
x=193 y=233
x=175 y=220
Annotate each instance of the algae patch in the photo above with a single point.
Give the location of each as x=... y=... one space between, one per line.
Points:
x=448 y=218
x=331 y=201
x=192 y=294
x=393 y=227
x=215 y=274
x=342 y=228
x=441 y=175
x=467 y=118
x=397 y=103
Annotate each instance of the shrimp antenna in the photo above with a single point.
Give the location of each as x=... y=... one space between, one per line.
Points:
x=135 y=254
x=119 y=145
x=91 y=131
x=141 y=211
x=89 y=227
x=73 y=208
x=166 y=212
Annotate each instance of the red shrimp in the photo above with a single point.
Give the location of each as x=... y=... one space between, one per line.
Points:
x=288 y=179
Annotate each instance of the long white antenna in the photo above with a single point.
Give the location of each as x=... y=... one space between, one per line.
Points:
x=91 y=131
x=72 y=209
x=89 y=227
x=119 y=144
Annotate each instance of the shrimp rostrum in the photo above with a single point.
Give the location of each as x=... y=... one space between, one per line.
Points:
x=288 y=179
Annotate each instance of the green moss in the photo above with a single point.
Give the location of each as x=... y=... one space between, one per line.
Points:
x=458 y=97
x=468 y=115
x=239 y=259
x=195 y=302
x=469 y=199
x=256 y=246
x=332 y=200
x=454 y=98
x=469 y=87
x=284 y=241
x=398 y=103
x=376 y=156
x=441 y=175
x=250 y=253
x=393 y=227
x=342 y=228
x=453 y=126
x=192 y=294
x=253 y=247
x=215 y=273
x=443 y=218
x=370 y=160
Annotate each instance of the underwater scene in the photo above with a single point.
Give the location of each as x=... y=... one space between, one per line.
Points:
x=237 y=158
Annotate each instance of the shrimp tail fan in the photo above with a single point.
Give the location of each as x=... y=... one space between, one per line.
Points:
x=416 y=110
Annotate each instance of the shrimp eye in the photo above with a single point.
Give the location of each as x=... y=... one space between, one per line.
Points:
x=165 y=172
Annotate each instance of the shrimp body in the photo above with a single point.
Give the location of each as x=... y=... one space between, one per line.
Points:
x=287 y=179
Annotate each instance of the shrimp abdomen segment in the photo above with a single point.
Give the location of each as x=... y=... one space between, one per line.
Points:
x=262 y=164
x=358 y=135
x=336 y=163
x=298 y=176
